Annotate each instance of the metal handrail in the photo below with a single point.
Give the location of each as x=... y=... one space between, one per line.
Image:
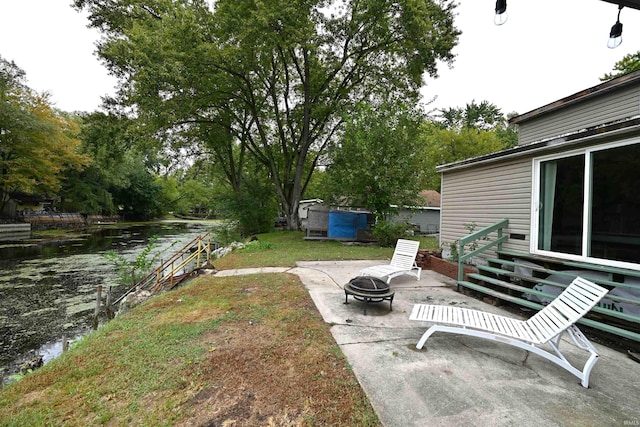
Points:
x=156 y=277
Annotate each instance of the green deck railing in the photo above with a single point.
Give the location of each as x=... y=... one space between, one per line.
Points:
x=482 y=236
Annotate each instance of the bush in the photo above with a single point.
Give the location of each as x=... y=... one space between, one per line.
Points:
x=131 y=272
x=253 y=208
x=387 y=232
x=255 y=246
x=227 y=232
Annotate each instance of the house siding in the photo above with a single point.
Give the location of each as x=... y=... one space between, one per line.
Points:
x=608 y=108
x=484 y=195
x=428 y=220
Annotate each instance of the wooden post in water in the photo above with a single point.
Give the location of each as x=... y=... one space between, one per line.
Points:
x=108 y=306
x=97 y=312
x=65 y=343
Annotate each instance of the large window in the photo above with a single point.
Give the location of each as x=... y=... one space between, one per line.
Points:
x=586 y=205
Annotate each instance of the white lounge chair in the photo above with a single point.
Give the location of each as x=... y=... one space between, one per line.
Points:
x=402 y=262
x=545 y=327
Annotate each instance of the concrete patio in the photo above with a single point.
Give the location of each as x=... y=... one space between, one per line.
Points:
x=460 y=380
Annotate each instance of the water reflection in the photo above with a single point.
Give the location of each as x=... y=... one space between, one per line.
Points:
x=48 y=287
x=14 y=236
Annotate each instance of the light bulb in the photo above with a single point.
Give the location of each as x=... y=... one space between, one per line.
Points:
x=614 y=42
x=500 y=18
x=615 y=36
x=501 y=12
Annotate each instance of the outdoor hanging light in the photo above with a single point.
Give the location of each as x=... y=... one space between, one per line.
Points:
x=501 y=12
x=615 y=36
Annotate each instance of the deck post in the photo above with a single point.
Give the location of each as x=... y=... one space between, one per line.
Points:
x=460 y=262
x=96 y=314
x=199 y=250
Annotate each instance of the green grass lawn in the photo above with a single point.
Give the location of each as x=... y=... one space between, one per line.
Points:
x=284 y=249
x=245 y=350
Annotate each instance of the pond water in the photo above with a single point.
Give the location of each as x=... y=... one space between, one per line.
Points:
x=48 y=287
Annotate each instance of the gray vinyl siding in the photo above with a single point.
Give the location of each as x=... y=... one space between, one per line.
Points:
x=428 y=220
x=607 y=108
x=484 y=195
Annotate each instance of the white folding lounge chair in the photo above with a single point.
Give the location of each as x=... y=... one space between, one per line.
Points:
x=545 y=327
x=402 y=262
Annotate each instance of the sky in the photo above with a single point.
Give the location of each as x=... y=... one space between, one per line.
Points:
x=547 y=50
x=50 y=41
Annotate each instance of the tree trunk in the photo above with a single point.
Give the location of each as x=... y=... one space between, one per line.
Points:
x=293 y=220
x=290 y=200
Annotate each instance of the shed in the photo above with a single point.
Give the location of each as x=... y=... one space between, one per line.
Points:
x=338 y=224
x=303 y=210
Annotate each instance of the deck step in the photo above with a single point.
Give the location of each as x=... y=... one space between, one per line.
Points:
x=502 y=283
x=541 y=269
x=536 y=306
x=532 y=291
x=568 y=263
x=500 y=295
x=538 y=280
x=514 y=276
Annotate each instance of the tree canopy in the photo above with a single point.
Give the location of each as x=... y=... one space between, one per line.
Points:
x=37 y=143
x=462 y=133
x=483 y=116
x=627 y=64
x=380 y=160
x=128 y=175
x=274 y=77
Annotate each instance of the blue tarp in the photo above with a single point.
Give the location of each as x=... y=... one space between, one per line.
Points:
x=345 y=224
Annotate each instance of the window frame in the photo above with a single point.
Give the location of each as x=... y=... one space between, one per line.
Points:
x=586 y=207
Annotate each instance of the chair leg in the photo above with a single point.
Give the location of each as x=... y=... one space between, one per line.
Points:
x=427 y=334
x=560 y=360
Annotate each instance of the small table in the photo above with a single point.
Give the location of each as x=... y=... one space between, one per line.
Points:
x=368 y=297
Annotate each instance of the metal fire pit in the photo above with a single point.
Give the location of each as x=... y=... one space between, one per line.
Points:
x=368 y=289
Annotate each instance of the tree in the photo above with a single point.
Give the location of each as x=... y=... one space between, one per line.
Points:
x=508 y=134
x=142 y=197
x=128 y=175
x=319 y=186
x=38 y=144
x=627 y=64
x=448 y=145
x=195 y=198
x=462 y=133
x=107 y=138
x=380 y=161
x=254 y=207
x=483 y=116
x=273 y=76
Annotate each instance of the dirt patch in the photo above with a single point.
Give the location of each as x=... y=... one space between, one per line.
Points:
x=282 y=370
x=259 y=377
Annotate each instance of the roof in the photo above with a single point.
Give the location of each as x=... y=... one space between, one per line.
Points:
x=608 y=86
x=619 y=127
x=431 y=198
x=633 y=4
x=308 y=201
x=21 y=197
